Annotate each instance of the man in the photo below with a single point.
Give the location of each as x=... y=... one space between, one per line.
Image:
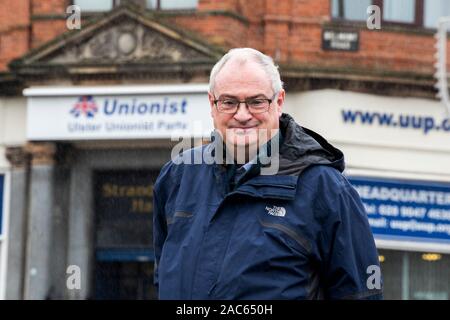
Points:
x=227 y=231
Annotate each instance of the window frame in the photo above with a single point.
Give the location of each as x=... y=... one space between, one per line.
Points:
x=158 y=7
x=418 y=14
x=114 y=3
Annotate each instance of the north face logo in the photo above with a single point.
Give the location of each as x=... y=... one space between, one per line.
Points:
x=276 y=211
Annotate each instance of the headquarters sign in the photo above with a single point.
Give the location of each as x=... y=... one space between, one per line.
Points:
x=405 y=210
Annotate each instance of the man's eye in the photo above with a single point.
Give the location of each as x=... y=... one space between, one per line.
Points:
x=256 y=102
x=229 y=103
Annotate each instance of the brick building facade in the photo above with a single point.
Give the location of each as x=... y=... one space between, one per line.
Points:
x=288 y=30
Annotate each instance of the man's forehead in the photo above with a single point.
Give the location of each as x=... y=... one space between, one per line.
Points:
x=237 y=67
x=253 y=95
x=235 y=76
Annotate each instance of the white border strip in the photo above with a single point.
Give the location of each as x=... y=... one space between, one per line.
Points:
x=4 y=237
x=115 y=90
x=412 y=246
x=395 y=174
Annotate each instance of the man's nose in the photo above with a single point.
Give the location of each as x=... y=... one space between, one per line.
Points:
x=242 y=114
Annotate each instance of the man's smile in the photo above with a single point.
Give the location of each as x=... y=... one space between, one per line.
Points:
x=242 y=130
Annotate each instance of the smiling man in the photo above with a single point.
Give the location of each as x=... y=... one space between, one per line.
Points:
x=241 y=105
x=229 y=230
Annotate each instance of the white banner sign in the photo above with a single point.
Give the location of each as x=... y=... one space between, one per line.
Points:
x=120 y=116
x=372 y=120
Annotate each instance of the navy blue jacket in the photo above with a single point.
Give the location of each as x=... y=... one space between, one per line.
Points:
x=299 y=234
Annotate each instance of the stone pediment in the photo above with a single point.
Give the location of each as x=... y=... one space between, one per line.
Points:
x=122 y=37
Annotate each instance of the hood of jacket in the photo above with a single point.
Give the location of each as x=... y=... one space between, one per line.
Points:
x=299 y=148
x=302 y=148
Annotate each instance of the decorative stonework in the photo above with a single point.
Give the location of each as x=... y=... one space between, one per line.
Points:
x=126 y=41
x=41 y=153
x=17 y=157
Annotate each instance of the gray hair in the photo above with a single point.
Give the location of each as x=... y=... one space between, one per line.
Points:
x=246 y=54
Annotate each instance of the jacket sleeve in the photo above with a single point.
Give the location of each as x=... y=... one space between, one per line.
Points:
x=159 y=231
x=350 y=268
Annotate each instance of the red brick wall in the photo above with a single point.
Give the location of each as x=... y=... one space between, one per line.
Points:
x=210 y=5
x=383 y=51
x=13 y=44
x=46 y=30
x=50 y=6
x=311 y=9
x=391 y=51
x=289 y=30
x=253 y=10
x=14 y=31
x=15 y=13
x=221 y=30
x=292 y=33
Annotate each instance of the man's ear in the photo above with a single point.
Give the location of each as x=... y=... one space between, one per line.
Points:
x=280 y=101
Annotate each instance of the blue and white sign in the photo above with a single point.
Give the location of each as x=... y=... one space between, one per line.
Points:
x=2 y=181
x=406 y=211
x=149 y=112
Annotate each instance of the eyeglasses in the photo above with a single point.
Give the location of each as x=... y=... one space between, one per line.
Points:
x=254 y=105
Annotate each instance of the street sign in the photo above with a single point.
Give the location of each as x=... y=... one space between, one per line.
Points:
x=341 y=40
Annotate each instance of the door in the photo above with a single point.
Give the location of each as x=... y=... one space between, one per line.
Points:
x=123 y=234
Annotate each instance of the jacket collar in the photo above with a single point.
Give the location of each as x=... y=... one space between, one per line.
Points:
x=300 y=148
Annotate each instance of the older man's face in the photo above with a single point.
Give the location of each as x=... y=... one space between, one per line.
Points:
x=242 y=81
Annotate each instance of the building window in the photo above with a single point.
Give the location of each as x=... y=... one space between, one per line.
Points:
x=355 y=10
x=408 y=12
x=94 y=6
x=106 y=5
x=421 y=13
x=433 y=10
x=402 y=11
x=172 y=4
x=415 y=275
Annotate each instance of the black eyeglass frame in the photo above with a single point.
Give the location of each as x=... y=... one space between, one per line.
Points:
x=246 y=101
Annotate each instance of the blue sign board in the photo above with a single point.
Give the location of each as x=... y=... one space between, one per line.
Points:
x=2 y=180
x=400 y=210
x=111 y=255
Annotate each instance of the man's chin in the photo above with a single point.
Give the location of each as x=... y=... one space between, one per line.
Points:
x=242 y=141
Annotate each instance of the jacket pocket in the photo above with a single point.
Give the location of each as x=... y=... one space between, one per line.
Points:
x=178 y=226
x=178 y=214
x=298 y=240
